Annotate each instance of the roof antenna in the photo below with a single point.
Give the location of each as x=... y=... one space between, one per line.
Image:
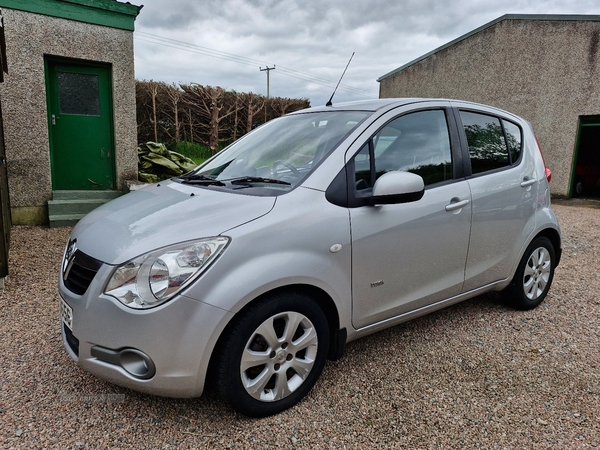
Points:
x=329 y=102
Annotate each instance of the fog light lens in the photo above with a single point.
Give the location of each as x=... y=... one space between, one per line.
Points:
x=137 y=363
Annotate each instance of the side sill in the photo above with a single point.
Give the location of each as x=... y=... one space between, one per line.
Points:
x=405 y=317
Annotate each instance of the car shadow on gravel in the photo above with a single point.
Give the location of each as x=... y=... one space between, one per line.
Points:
x=577 y=202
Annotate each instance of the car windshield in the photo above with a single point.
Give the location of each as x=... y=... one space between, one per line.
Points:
x=279 y=154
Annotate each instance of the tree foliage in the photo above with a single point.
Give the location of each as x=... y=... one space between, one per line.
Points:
x=206 y=115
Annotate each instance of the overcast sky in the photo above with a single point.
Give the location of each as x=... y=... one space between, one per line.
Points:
x=308 y=41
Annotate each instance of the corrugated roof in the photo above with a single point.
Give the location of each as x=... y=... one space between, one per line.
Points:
x=545 y=17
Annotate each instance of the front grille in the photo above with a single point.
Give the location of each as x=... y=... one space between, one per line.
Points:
x=81 y=272
x=71 y=340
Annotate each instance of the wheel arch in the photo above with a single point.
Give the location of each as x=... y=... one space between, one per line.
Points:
x=337 y=338
x=554 y=237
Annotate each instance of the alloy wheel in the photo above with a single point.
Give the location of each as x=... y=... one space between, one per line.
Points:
x=279 y=356
x=537 y=273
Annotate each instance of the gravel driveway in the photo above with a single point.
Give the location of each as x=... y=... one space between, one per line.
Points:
x=476 y=375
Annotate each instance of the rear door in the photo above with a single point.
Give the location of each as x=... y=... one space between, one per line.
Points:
x=410 y=255
x=503 y=186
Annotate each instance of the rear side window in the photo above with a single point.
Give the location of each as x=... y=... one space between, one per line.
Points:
x=494 y=143
x=418 y=142
x=513 y=139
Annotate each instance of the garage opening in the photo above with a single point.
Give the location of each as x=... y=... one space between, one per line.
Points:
x=586 y=172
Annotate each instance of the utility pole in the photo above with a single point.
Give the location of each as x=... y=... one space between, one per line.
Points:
x=267 y=69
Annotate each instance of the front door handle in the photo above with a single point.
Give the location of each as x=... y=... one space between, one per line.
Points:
x=458 y=204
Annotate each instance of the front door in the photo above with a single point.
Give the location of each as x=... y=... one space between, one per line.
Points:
x=409 y=256
x=81 y=126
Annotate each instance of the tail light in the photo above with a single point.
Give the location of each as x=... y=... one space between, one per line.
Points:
x=547 y=170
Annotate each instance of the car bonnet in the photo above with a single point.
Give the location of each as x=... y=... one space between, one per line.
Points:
x=160 y=215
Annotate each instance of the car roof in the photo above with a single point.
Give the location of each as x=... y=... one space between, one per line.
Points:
x=390 y=103
x=363 y=105
x=366 y=105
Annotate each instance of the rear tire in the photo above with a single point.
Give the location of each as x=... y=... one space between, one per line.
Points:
x=533 y=277
x=273 y=354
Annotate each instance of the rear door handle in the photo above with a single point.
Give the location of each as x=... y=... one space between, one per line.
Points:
x=528 y=182
x=457 y=205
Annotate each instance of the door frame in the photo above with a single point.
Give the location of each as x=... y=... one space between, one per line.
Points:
x=5 y=214
x=50 y=61
x=584 y=122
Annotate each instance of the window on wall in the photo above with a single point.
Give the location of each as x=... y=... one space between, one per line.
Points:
x=417 y=143
x=493 y=143
x=78 y=94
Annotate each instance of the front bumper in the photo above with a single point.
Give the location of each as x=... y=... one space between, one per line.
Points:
x=178 y=338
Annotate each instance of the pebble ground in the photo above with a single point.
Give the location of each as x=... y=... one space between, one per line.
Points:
x=476 y=375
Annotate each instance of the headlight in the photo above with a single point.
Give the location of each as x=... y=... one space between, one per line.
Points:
x=151 y=279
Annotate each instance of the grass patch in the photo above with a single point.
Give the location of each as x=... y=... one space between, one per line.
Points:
x=196 y=152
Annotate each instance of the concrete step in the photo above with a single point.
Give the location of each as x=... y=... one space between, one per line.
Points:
x=65 y=220
x=57 y=207
x=81 y=195
x=67 y=207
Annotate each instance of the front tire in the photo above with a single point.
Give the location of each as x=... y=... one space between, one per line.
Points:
x=273 y=354
x=533 y=277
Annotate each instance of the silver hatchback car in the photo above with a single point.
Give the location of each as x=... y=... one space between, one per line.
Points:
x=313 y=230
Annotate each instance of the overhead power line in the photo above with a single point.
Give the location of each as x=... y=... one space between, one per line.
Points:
x=206 y=51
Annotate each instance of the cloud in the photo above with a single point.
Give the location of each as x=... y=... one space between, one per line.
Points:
x=309 y=39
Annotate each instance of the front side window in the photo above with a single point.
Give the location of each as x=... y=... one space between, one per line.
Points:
x=418 y=142
x=493 y=143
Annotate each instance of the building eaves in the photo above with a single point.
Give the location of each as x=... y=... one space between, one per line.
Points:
x=538 y=17
x=110 y=13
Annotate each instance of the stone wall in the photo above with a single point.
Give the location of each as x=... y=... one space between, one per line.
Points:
x=29 y=38
x=547 y=71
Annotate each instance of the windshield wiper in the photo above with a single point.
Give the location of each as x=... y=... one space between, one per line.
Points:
x=243 y=180
x=200 y=179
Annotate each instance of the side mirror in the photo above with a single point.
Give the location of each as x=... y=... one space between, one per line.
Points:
x=397 y=187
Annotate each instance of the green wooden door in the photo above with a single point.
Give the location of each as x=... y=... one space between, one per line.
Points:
x=81 y=126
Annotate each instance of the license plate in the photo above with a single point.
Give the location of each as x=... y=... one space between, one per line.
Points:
x=66 y=313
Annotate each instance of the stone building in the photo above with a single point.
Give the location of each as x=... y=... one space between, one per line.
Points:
x=68 y=105
x=545 y=68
